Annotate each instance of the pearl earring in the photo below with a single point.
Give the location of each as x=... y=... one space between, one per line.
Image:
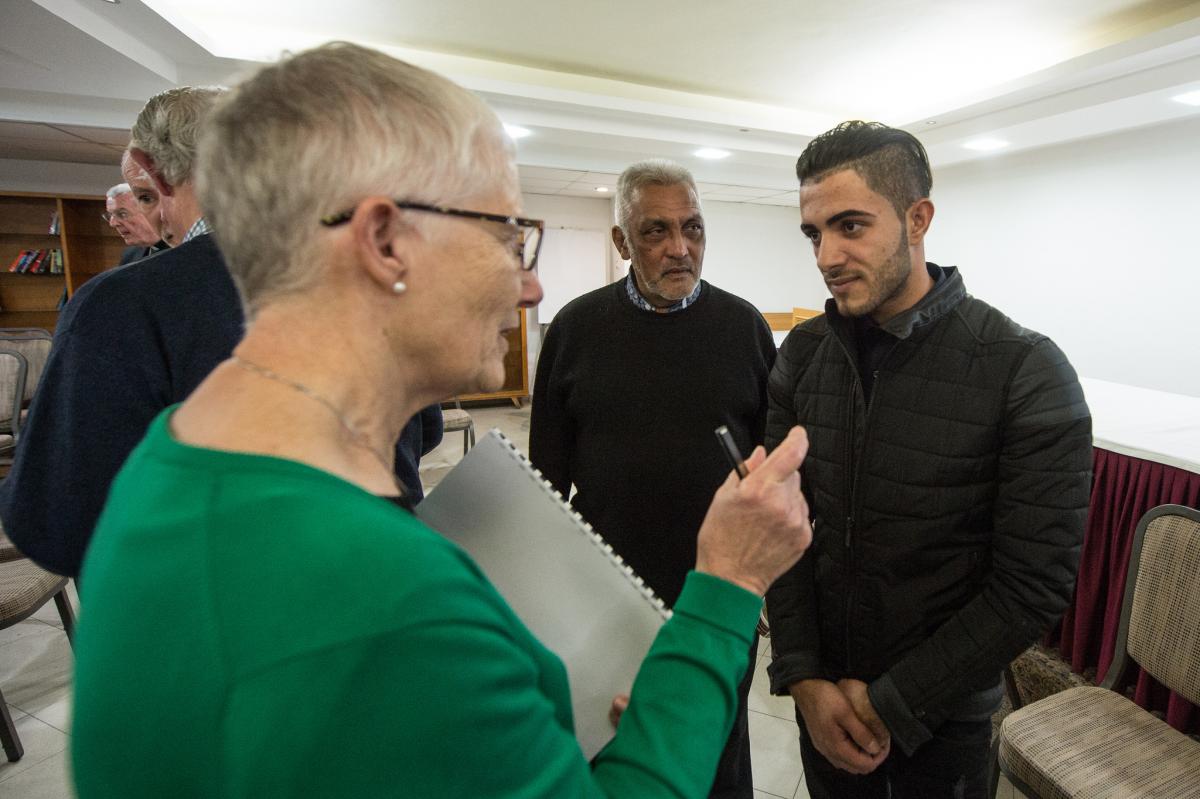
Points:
x=399 y=287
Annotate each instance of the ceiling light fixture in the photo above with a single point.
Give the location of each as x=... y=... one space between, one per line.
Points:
x=985 y=145
x=516 y=131
x=711 y=153
x=1188 y=98
x=602 y=189
x=114 y=2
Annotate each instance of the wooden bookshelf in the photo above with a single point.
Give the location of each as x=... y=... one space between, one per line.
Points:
x=89 y=246
x=516 y=370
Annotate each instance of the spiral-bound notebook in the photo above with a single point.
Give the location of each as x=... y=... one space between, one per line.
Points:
x=568 y=586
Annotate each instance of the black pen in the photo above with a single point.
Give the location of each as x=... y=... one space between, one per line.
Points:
x=731 y=451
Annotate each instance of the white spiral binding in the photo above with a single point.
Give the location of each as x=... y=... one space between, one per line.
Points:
x=595 y=537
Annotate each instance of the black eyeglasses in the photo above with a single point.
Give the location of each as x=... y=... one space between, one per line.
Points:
x=529 y=231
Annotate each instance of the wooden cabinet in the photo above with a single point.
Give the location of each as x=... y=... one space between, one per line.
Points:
x=516 y=369
x=89 y=246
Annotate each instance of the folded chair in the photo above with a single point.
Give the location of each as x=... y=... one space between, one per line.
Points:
x=32 y=346
x=14 y=371
x=1092 y=741
x=24 y=588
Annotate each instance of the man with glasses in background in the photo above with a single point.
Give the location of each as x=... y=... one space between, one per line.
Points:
x=135 y=228
x=632 y=380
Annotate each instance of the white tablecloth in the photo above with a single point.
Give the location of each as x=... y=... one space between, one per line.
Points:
x=1143 y=423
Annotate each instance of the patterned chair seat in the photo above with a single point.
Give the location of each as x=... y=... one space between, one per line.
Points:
x=1093 y=742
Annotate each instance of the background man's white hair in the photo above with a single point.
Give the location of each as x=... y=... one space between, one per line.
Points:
x=117 y=190
x=652 y=172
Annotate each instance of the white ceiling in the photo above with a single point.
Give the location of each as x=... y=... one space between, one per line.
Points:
x=603 y=84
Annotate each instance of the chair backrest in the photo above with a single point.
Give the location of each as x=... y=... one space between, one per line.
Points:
x=14 y=374
x=1160 y=613
x=34 y=343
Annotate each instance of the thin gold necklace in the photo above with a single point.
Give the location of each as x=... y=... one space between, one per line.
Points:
x=359 y=438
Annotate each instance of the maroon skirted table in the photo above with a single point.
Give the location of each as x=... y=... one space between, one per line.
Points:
x=1146 y=453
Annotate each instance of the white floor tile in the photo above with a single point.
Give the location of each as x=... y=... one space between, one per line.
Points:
x=774 y=754
x=764 y=795
x=54 y=709
x=48 y=614
x=801 y=790
x=36 y=669
x=31 y=626
x=40 y=740
x=47 y=779
x=761 y=700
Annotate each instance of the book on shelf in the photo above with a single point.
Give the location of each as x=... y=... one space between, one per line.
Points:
x=54 y=227
x=27 y=261
x=35 y=266
x=47 y=265
x=38 y=262
x=16 y=262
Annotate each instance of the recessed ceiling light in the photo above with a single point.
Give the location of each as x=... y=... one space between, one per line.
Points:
x=985 y=144
x=711 y=153
x=516 y=131
x=1189 y=98
x=931 y=122
x=602 y=188
x=114 y=2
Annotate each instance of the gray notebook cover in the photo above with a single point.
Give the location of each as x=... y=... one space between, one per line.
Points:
x=568 y=587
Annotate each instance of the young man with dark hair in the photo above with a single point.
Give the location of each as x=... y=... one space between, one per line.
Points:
x=891 y=161
x=948 y=476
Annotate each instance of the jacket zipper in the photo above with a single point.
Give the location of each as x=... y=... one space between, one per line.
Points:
x=852 y=500
x=852 y=469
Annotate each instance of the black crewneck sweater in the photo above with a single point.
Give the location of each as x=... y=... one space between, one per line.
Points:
x=624 y=407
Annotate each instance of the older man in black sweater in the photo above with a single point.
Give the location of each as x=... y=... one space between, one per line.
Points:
x=631 y=382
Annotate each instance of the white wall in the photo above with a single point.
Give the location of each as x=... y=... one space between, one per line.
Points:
x=1092 y=243
x=758 y=253
x=581 y=213
x=55 y=177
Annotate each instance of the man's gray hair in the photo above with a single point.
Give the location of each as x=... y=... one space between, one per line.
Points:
x=118 y=190
x=653 y=172
x=168 y=129
x=318 y=132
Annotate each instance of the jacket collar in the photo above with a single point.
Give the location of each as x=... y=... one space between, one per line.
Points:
x=945 y=294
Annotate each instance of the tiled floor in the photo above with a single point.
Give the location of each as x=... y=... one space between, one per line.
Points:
x=35 y=676
x=36 y=661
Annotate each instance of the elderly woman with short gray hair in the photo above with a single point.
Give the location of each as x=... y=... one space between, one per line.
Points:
x=263 y=614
